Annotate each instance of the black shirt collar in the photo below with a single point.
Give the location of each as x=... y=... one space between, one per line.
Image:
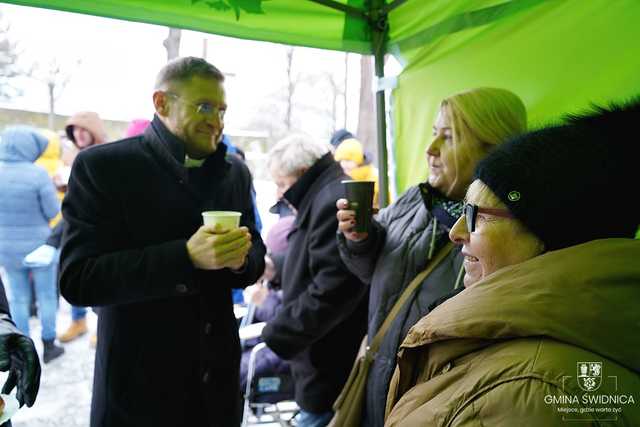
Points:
x=296 y=193
x=172 y=143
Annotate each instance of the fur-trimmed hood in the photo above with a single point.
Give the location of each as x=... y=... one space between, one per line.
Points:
x=91 y=122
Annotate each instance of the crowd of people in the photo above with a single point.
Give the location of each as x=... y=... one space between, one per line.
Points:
x=469 y=300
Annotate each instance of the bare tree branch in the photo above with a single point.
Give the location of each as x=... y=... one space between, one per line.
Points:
x=9 y=68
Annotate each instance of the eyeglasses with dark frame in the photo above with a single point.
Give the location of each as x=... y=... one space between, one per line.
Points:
x=203 y=108
x=471 y=211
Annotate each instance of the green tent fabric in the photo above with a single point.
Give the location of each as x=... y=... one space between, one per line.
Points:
x=295 y=22
x=558 y=55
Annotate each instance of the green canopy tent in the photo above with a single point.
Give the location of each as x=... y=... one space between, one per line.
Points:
x=558 y=55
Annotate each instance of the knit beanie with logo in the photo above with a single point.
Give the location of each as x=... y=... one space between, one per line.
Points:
x=573 y=182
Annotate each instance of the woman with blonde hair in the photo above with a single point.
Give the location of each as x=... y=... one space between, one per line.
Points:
x=408 y=234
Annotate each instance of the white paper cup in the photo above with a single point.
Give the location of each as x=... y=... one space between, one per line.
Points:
x=228 y=220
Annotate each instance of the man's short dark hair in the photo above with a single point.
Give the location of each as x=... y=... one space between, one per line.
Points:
x=184 y=69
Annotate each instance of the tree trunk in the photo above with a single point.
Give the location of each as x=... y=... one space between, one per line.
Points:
x=172 y=43
x=52 y=108
x=334 y=106
x=367 y=130
x=290 y=89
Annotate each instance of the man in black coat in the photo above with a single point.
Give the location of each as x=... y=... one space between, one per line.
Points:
x=323 y=315
x=168 y=349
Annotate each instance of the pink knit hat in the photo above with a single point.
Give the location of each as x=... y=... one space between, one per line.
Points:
x=136 y=127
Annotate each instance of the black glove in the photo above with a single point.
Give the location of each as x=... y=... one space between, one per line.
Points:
x=18 y=356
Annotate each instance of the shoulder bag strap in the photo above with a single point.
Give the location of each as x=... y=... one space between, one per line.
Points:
x=431 y=265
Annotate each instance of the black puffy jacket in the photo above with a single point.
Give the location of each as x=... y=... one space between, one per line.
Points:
x=395 y=252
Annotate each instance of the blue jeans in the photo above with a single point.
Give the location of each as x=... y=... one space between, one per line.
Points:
x=78 y=313
x=313 y=419
x=44 y=279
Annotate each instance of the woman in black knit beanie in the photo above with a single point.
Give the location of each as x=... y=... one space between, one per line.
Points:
x=546 y=330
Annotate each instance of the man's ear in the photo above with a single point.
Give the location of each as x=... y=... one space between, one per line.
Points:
x=160 y=102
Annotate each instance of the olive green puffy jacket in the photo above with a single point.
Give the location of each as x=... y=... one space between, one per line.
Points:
x=510 y=350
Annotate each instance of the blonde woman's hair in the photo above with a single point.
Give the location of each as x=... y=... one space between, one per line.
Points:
x=489 y=115
x=481 y=119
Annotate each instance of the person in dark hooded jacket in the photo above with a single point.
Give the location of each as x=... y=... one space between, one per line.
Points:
x=85 y=129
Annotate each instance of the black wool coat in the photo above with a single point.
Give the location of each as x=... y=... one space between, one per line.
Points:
x=323 y=316
x=168 y=349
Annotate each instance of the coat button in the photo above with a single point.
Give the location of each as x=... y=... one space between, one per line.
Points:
x=205 y=377
x=181 y=288
x=207 y=328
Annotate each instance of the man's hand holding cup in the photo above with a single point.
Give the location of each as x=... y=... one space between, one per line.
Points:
x=220 y=243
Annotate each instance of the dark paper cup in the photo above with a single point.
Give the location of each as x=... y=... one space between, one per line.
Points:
x=360 y=196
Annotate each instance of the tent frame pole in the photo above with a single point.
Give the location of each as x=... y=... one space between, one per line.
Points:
x=393 y=5
x=379 y=29
x=376 y=17
x=349 y=10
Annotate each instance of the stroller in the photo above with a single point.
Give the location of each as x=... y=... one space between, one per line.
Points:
x=269 y=388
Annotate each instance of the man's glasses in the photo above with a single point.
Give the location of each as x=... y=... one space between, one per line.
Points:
x=206 y=109
x=471 y=212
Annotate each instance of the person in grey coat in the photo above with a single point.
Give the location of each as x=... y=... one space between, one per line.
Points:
x=29 y=202
x=407 y=234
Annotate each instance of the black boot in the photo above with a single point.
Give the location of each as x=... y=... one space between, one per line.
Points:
x=51 y=351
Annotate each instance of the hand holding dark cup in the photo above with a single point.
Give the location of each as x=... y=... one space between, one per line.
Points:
x=347 y=222
x=360 y=197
